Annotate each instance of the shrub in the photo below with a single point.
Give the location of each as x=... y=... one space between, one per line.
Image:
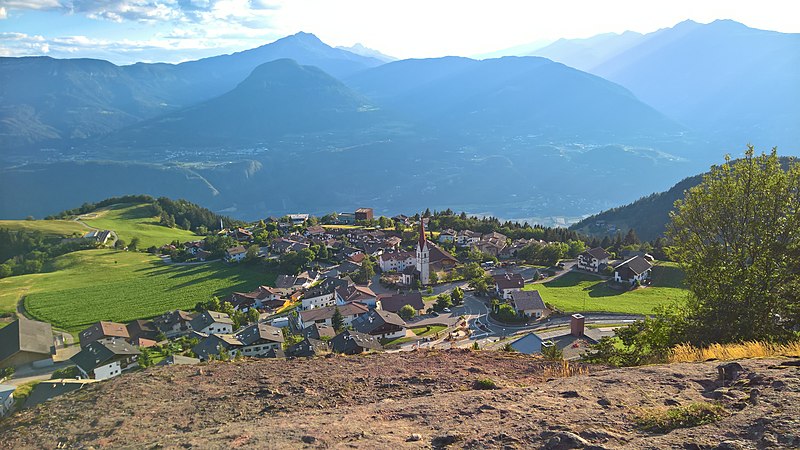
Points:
x=508 y=348
x=485 y=384
x=66 y=372
x=664 y=420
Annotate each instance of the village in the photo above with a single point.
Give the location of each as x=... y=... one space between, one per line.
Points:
x=383 y=285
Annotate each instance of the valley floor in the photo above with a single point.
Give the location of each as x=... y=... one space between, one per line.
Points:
x=413 y=400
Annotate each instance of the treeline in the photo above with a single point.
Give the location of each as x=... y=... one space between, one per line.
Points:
x=171 y=213
x=22 y=253
x=447 y=219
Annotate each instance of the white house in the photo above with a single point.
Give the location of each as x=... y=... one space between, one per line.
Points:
x=324 y=316
x=235 y=254
x=396 y=261
x=106 y=358
x=447 y=236
x=466 y=238
x=508 y=283
x=593 y=260
x=633 y=270
x=258 y=339
x=212 y=322
x=383 y=324
x=528 y=303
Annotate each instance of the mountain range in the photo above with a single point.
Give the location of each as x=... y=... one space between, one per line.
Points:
x=515 y=137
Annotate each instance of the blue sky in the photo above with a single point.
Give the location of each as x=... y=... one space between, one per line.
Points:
x=126 y=31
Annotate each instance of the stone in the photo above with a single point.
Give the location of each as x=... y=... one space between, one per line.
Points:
x=569 y=394
x=602 y=401
x=308 y=439
x=414 y=437
x=565 y=440
x=754 y=395
x=729 y=371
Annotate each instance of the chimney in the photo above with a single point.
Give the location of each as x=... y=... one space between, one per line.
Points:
x=576 y=325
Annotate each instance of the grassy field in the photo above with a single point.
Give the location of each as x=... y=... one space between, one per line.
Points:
x=134 y=220
x=54 y=228
x=427 y=330
x=581 y=292
x=83 y=287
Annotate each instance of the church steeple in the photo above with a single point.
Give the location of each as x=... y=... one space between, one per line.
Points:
x=422 y=239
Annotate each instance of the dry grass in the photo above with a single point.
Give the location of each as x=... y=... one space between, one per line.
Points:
x=722 y=352
x=564 y=369
x=664 y=420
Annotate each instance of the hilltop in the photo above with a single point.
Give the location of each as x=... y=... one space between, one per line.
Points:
x=414 y=400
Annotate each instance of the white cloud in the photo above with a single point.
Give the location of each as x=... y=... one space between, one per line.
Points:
x=3 y=13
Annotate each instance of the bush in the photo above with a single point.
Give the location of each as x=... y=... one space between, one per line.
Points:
x=66 y=372
x=485 y=384
x=664 y=420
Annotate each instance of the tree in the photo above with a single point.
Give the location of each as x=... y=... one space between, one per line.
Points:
x=407 y=312
x=552 y=353
x=442 y=301
x=433 y=278
x=323 y=252
x=365 y=272
x=630 y=238
x=457 y=296
x=252 y=252
x=337 y=320
x=735 y=236
x=134 y=245
x=120 y=244
x=253 y=315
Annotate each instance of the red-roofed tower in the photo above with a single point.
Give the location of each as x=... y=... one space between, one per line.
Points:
x=423 y=254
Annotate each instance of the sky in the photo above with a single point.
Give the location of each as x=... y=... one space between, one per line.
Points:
x=128 y=31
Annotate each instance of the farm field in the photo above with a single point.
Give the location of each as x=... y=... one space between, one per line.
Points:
x=83 y=287
x=54 y=228
x=582 y=292
x=134 y=220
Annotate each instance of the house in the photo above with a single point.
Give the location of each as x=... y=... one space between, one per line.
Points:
x=395 y=302
x=352 y=342
x=323 y=316
x=316 y=231
x=173 y=360
x=319 y=331
x=363 y=214
x=528 y=303
x=142 y=329
x=25 y=341
x=298 y=219
x=447 y=236
x=99 y=236
x=493 y=243
x=211 y=346
x=106 y=358
x=286 y=282
x=593 y=260
x=258 y=339
x=235 y=254
x=261 y=297
x=631 y=271
x=6 y=398
x=49 y=389
x=308 y=347
x=103 y=330
x=323 y=294
x=465 y=238
x=356 y=293
x=396 y=261
x=383 y=324
x=193 y=247
x=212 y=322
x=174 y=323
x=529 y=344
x=507 y=283
x=403 y=219
x=203 y=255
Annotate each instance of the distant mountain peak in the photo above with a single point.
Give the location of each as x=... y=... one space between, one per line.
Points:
x=362 y=50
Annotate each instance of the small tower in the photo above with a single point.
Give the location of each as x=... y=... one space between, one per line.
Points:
x=423 y=255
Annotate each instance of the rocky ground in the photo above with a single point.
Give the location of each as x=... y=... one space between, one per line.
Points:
x=414 y=400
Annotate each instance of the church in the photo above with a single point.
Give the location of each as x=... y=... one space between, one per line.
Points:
x=418 y=265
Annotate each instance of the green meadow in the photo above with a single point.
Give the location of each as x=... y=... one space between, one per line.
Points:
x=583 y=292
x=135 y=220
x=83 y=287
x=51 y=228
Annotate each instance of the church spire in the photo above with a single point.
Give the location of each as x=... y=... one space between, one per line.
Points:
x=422 y=239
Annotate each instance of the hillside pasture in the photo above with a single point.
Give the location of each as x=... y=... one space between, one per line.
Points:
x=83 y=287
x=136 y=220
x=49 y=228
x=583 y=292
